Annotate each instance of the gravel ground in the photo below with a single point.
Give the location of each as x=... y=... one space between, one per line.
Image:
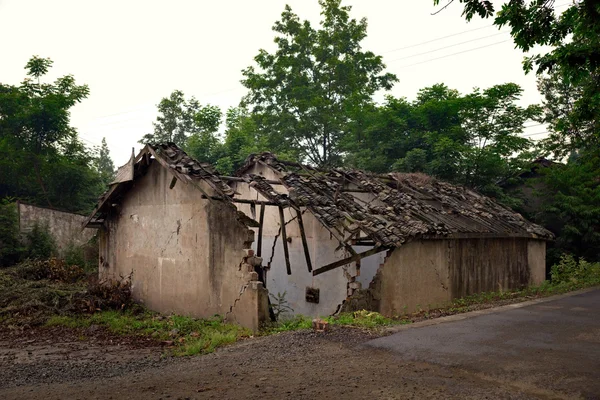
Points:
x=58 y=363
x=49 y=355
x=299 y=365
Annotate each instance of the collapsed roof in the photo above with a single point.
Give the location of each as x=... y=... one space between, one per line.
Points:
x=398 y=207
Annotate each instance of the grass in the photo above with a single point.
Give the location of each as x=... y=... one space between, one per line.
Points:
x=189 y=336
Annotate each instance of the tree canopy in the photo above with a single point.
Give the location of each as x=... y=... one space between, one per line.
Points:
x=573 y=59
x=41 y=158
x=307 y=94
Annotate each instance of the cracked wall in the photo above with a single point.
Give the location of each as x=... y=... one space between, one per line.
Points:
x=428 y=273
x=333 y=285
x=184 y=251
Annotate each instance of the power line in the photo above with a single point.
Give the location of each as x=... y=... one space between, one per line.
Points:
x=446 y=47
x=535 y=134
x=453 y=54
x=531 y=126
x=456 y=34
x=435 y=40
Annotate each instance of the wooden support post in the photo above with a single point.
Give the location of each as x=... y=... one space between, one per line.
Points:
x=348 y=260
x=260 y=230
x=304 y=241
x=253 y=210
x=286 y=251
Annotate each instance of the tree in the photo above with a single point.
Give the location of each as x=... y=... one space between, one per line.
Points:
x=571 y=207
x=471 y=139
x=306 y=95
x=560 y=102
x=41 y=158
x=103 y=163
x=179 y=119
x=574 y=57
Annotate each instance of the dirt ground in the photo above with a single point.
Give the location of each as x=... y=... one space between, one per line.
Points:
x=300 y=365
x=449 y=360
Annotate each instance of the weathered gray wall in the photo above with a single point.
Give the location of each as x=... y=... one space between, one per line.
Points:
x=66 y=228
x=428 y=273
x=184 y=252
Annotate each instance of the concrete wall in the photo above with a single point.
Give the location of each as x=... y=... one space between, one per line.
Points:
x=251 y=309
x=332 y=285
x=65 y=227
x=184 y=252
x=429 y=273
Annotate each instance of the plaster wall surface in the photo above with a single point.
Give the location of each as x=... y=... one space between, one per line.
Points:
x=415 y=275
x=65 y=228
x=427 y=273
x=323 y=250
x=536 y=258
x=183 y=252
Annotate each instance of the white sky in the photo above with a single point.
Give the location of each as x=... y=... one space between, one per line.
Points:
x=133 y=53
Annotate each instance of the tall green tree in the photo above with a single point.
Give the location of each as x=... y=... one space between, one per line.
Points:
x=103 y=163
x=180 y=118
x=308 y=93
x=41 y=158
x=574 y=56
x=472 y=139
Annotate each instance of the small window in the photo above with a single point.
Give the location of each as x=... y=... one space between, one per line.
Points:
x=312 y=295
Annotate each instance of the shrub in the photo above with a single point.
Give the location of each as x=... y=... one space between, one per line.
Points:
x=73 y=255
x=569 y=270
x=40 y=243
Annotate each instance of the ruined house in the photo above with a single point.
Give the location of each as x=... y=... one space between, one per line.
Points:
x=198 y=243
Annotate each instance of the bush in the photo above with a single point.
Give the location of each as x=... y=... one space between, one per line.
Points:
x=73 y=255
x=40 y=243
x=10 y=246
x=569 y=270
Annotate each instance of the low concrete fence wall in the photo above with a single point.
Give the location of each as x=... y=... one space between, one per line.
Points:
x=65 y=227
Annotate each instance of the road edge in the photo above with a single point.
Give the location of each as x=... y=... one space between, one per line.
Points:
x=492 y=310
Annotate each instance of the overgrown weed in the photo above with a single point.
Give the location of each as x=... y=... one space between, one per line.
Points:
x=187 y=336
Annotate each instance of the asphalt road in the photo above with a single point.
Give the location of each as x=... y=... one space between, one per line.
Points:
x=549 y=349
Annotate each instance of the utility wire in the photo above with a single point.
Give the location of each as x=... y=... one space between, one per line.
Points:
x=435 y=40
x=456 y=34
x=446 y=47
x=535 y=134
x=453 y=54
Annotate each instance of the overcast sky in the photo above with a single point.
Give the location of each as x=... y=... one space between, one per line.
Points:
x=133 y=53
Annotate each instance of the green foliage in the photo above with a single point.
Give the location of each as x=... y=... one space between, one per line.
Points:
x=470 y=139
x=295 y=323
x=10 y=243
x=189 y=336
x=309 y=93
x=361 y=319
x=572 y=59
x=103 y=163
x=40 y=242
x=74 y=255
x=280 y=305
x=180 y=119
x=568 y=270
x=41 y=158
x=571 y=207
